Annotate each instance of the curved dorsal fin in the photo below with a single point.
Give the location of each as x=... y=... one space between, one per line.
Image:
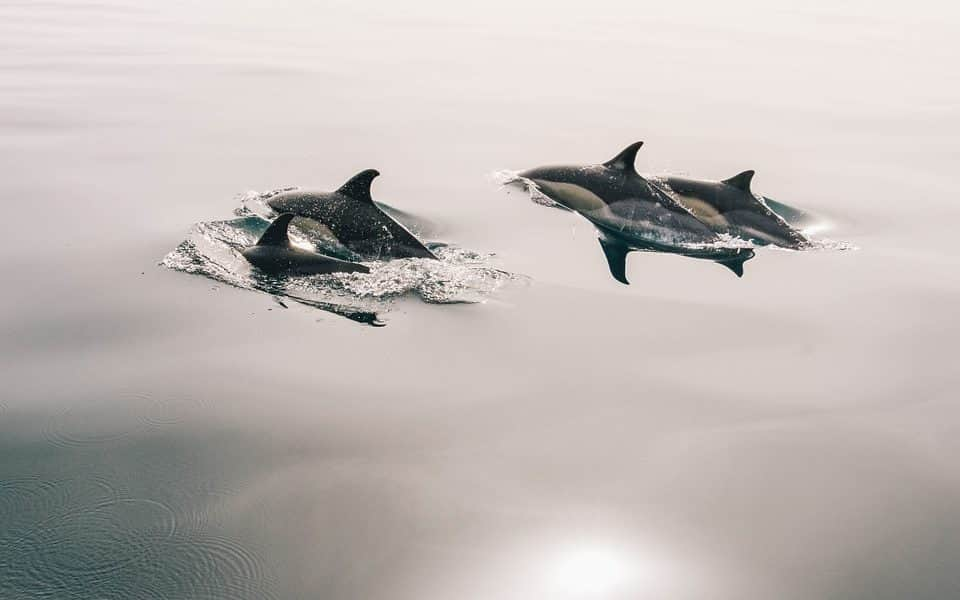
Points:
x=276 y=233
x=741 y=181
x=358 y=186
x=624 y=161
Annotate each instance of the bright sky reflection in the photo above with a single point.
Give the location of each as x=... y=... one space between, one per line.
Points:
x=592 y=570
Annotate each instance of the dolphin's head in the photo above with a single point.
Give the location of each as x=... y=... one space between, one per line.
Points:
x=569 y=187
x=302 y=203
x=284 y=203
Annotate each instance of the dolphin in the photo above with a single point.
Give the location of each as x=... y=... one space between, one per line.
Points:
x=354 y=219
x=631 y=213
x=274 y=254
x=730 y=207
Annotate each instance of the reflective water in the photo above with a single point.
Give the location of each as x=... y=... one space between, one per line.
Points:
x=790 y=434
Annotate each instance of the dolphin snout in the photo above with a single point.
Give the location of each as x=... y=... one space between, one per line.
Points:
x=276 y=205
x=537 y=173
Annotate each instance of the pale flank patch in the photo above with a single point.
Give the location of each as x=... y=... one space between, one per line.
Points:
x=571 y=195
x=702 y=210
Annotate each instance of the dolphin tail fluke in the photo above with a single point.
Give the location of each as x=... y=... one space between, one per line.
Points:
x=358 y=186
x=616 y=254
x=276 y=233
x=736 y=264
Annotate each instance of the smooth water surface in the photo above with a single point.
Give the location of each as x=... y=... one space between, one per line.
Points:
x=791 y=434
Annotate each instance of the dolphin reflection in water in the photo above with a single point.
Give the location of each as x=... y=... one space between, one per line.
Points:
x=677 y=215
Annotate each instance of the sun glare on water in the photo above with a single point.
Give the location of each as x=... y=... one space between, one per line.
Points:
x=592 y=570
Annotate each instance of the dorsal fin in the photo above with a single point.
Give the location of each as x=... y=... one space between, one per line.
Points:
x=358 y=186
x=741 y=181
x=276 y=233
x=624 y=161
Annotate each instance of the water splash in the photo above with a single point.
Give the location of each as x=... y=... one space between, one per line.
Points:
x=212 y=249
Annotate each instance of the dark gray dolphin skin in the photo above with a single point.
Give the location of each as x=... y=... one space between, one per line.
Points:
x=274 y=254
x=631 y=213
x=729 y=206
x=356 y=221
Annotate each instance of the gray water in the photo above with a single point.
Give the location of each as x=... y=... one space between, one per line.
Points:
x=791 y=434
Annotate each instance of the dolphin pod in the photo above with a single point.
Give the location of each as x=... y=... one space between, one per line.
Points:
x=631 y=212
x=691 y=217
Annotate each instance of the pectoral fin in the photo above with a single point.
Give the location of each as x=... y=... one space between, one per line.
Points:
x=736 y=264
x=616 y=254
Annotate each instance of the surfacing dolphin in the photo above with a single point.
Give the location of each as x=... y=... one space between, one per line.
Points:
x=274 y=254
x=631 y=213
x=730 y=207
x=354 y=219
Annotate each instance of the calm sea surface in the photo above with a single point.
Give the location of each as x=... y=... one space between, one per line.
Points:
x=793 y=434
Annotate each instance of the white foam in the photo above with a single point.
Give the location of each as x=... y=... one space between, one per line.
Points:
x=212 y=249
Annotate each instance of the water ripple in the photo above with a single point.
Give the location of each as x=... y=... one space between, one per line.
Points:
x=211 y=567
x=73 y=538
x=160 y=409
x=86 y=547
x=74 y=427
x=27 y=500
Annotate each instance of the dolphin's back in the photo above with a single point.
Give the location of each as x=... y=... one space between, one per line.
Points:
x=360 y=225
x=730 y=207
x=296 y=261
x=370 y=232
x=273 y=253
